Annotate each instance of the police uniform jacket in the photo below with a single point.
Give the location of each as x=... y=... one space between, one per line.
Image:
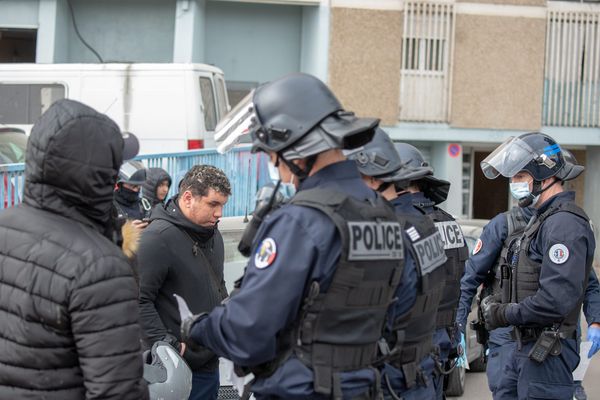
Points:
x=304 y=246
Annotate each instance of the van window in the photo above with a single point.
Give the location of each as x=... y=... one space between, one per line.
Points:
x=221 y=96
x=24 y=103
x=208 y=99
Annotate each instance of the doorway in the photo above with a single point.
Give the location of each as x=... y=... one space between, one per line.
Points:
x=490 y=196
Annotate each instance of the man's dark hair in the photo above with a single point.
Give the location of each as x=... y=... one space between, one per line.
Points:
x=200 y=178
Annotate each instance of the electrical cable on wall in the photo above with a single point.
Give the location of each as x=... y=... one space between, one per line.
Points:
x=79 y=35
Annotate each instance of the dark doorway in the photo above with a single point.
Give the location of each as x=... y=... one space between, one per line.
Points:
x=17 y=45
x=490 y=196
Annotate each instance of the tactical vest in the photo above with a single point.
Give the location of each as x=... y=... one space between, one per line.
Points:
x=457 y=253
x=526 y=280
x=411 y=339
x=338 y=330
x=515 y=223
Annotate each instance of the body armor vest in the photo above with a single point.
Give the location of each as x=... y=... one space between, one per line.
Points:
x=500 y=283
x=416 y=327
x=339 y=329
x=525 y=282
x=457 y=253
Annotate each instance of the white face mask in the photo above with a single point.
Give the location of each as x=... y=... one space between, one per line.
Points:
x=520 y=190
x=287 y=189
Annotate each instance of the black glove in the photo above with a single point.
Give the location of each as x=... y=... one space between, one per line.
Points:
x=186 y=329
x=493 y=313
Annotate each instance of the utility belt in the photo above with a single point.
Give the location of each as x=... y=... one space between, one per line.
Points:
x=532 y=334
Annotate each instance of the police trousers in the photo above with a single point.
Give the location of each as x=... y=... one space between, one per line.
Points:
x=521 y=378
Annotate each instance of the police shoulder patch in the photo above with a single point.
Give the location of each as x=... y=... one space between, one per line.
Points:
x=478 y=246
x=265 y=254
x=559 y=253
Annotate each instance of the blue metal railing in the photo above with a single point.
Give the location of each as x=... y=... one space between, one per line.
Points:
x=246 y=171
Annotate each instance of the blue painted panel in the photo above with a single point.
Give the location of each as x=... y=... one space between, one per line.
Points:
x=18 y=13
x=253 y=42
x=246 y=172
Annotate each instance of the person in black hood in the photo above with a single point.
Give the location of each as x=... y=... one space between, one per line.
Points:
x=181 y=252
x=156 y=187
x=69 y=324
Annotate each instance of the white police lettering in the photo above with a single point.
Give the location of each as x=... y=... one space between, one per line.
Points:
x=375 y=241
x=559 y=254
x=451 y=234
x=430 y=252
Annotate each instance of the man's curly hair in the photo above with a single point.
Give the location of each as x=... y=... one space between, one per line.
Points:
x=200 y=178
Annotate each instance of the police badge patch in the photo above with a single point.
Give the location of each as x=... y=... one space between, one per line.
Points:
x=265 y=254
x=478 y=246
x=559 y=253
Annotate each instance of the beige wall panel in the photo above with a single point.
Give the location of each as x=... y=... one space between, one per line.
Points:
x=498 y=72
x=508 y=2
x=364 y=61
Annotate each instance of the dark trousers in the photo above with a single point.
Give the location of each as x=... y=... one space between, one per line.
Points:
x=522 y=378
x=205 y=385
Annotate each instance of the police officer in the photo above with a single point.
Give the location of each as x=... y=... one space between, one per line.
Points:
x=484 y=267
x=311 y=306
x=409 y=368
x=427 y=192
x=548 y=268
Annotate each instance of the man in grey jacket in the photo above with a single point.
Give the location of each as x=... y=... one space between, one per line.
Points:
x=181 y=252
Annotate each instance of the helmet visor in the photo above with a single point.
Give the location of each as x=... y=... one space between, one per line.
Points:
x=508 y=159
x=235 y=124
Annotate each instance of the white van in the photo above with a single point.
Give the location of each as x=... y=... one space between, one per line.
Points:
x=169 y=107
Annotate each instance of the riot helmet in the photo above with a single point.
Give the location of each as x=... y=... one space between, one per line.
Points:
x=571 y=169
x=419 y=171
x=132 y=172
x=168 y=375
x=534 y=152
x=378 y=158
x=298 y=116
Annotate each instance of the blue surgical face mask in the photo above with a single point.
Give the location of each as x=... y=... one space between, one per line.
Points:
x=287 y=189
x=520 y=190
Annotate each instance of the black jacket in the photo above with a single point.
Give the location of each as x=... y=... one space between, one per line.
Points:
x=179 y=257
x=68 y=301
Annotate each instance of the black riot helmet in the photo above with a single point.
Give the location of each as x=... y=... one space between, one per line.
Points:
x=132 y=172
x=298 y=116
x=168 y=375
x=571 y=169
x=420 y=172
x=378 y=158
x=534 y=152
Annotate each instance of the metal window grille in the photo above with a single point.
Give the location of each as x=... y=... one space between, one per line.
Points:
x=425 y=71
x=572 y=71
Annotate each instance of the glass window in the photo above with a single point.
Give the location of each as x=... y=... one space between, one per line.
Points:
x=208 y=100
x=221 y=96
x=24 y=103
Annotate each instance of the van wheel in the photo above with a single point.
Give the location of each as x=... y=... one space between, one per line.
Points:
x=456 y=382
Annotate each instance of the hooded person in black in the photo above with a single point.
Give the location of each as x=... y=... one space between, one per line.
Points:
x=69 y=324
x=156 y=187
x=181 y=252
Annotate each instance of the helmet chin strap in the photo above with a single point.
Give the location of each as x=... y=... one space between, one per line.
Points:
x=537 y=190
x=302 y=174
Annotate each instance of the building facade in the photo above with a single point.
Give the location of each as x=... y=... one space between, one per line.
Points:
x=453 y=77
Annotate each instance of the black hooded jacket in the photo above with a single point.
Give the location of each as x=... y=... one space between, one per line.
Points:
x=68 y=301
x=154 y=177
x=179 y=257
